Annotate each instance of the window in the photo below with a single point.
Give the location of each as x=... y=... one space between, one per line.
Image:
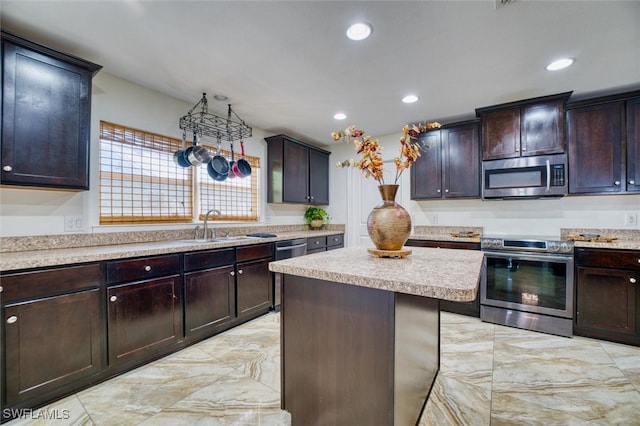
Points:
x=141 y=183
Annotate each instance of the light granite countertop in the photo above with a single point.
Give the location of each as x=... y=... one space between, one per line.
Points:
x=431 y=272
x=27 y=259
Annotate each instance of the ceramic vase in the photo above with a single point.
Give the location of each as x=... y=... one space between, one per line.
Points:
x=389 y=224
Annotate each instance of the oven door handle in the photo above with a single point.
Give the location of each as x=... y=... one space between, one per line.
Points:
x=530 y=256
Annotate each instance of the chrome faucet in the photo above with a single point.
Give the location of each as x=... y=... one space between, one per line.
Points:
x=206 y=219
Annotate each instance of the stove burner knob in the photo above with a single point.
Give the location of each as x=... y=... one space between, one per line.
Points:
x=566 y=247
x=552 y=246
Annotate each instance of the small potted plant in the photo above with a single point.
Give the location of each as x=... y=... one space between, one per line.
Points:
x=316 y=217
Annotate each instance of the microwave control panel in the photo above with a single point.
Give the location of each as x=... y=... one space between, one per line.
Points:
x=557 y=175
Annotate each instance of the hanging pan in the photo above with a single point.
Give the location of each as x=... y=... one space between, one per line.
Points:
x=197 y=155
x=243 y=165
x=232 y=164
x=178 y=156
x=218 y=167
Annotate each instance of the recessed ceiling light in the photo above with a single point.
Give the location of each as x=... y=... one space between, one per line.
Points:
x=409 y=99
x=340 y=116
x=220 y=97
x=359 y=31
x=559 y=64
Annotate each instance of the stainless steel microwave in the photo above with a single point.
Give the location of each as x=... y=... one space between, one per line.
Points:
x=525 y=177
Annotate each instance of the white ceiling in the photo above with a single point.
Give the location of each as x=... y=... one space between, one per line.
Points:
x=287 y=67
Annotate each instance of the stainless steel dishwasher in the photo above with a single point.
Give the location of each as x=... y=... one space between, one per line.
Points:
x=286 y=250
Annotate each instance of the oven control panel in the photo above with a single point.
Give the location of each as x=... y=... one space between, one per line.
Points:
x=525 y=244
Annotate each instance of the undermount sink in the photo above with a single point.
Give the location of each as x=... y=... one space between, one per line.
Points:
x=233 y=238
x=216 y=240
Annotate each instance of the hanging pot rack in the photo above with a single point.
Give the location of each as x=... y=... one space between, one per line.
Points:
x=201 y=122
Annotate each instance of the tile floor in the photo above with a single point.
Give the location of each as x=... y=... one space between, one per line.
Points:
x=490 y=375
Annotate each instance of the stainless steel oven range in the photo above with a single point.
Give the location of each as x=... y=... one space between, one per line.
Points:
x=528 y=283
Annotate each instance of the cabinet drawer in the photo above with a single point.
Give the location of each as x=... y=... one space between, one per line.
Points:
x=621 y=259
x=258 y=251
x=316 y=243
x=335 y=240
x=27 y=285
x=138 y=269
x=209 y=259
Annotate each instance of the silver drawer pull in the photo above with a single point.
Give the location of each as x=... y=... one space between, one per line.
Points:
x=7 y=168
x=147 y=268
x=632 y=182
x=1 y=289
x=317 y=242
x=232 y=273
x=632 y=280
x=616 y=183
x=12 y=319
x=240 y=271
x=113 y=298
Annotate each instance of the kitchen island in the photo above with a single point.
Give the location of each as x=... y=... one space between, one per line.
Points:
x=360 y=337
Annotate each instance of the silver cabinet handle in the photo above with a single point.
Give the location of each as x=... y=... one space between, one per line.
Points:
x=632 y=280
x=240 y=271
x=616 y=183
x=12 y=319
x=1 y=289
x=7 y=168
x=113 y=298
x=446 y=190
x=439 y=191
x=632 y=182
x=147 y=268
x=316 y=242
x=232 y=273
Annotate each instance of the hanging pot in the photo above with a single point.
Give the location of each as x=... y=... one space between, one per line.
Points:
x=178 y=156
x=218 y=167
x=232 y=165
x=197 y=155
x=243 y=165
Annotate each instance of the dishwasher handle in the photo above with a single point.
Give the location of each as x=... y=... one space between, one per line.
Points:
x=286 y=248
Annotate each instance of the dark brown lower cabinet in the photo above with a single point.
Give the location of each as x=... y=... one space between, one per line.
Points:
x=209 y=300
x=52 y=334
x=39 y=336
x=143 y=317
x=464 y=308
x=607 y=295
x=253 y=288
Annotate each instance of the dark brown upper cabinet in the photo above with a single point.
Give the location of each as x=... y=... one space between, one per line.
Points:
x=449 y=163
x=604 y=140
x=297 y=172
x=524 y=128
x=46 y=114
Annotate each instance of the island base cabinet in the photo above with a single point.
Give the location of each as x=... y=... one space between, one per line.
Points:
x=51 y=342
x=143 y=318
x=355 y=355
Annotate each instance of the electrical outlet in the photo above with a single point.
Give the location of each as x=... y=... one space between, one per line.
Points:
x=73 y=223
x=631 y=219
x=434 y=219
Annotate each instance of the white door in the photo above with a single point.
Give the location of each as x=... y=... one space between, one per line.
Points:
x=364 y=197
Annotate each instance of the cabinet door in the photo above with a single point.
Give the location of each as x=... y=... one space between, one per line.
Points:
x=143 y=317
x=633 y=145
x=295 y=173
x=45 y=120
x=595 y=148
x=607 y=304
x=461 y=156
x=318 y=177
x=501 y=134
x=426 y=172
x=50 y=343
x=542 y=129
x=209 y=300
x=254 y=291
